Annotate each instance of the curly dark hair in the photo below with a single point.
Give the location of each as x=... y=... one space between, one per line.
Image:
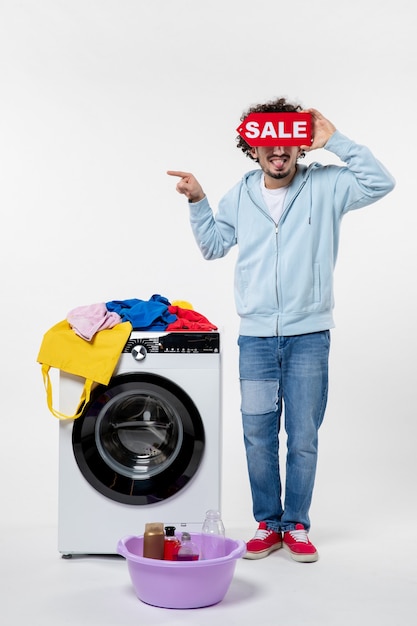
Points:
x=280 y=105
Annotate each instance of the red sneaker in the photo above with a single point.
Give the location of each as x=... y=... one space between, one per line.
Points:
x=263 y=543
x=299 y=546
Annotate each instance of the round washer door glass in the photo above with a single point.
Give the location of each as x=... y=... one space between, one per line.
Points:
x=140 y=439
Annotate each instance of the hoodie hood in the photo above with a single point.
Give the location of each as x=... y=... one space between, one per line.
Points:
x=252 y=183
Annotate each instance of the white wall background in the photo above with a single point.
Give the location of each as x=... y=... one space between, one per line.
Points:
x=98 y=99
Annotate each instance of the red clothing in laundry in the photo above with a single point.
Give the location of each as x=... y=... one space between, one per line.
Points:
x=188 y=319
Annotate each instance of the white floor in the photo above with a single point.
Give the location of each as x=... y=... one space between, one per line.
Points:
x=358 y=580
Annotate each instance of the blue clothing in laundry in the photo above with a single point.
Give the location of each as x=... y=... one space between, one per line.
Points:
x=152 y=314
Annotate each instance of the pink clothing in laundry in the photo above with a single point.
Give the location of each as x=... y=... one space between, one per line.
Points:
x=87 y=320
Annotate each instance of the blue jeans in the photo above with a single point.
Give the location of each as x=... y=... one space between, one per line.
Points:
x=277 y=372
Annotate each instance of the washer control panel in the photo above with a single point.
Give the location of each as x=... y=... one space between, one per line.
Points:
x=140 y=344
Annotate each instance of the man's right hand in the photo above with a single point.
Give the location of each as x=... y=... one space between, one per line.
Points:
x=188 y=185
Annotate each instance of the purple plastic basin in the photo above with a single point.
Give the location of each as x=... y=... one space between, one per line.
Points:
x=180 y=585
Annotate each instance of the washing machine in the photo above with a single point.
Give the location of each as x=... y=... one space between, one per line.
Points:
x=147 y=447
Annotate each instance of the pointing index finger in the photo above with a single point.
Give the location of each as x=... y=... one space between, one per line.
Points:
x=178 y=173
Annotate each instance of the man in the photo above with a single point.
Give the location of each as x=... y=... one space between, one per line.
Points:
x=285 y=218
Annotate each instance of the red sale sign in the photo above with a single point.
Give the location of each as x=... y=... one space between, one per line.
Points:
x=276 y=129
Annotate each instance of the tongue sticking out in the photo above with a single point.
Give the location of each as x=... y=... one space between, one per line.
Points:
x=277 y=163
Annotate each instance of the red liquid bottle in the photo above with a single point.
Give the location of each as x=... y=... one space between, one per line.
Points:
x=188 y=550
x=171 y=544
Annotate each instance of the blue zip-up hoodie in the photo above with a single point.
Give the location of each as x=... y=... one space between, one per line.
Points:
x=284 y=271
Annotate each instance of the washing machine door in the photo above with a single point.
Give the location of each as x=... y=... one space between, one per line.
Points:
x=140 y=440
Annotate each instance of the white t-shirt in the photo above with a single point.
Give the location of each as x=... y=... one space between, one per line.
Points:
x=274 y=199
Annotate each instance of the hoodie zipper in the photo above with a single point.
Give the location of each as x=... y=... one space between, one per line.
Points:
x=276 y=275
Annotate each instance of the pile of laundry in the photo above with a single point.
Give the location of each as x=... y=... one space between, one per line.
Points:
x=155 y=314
